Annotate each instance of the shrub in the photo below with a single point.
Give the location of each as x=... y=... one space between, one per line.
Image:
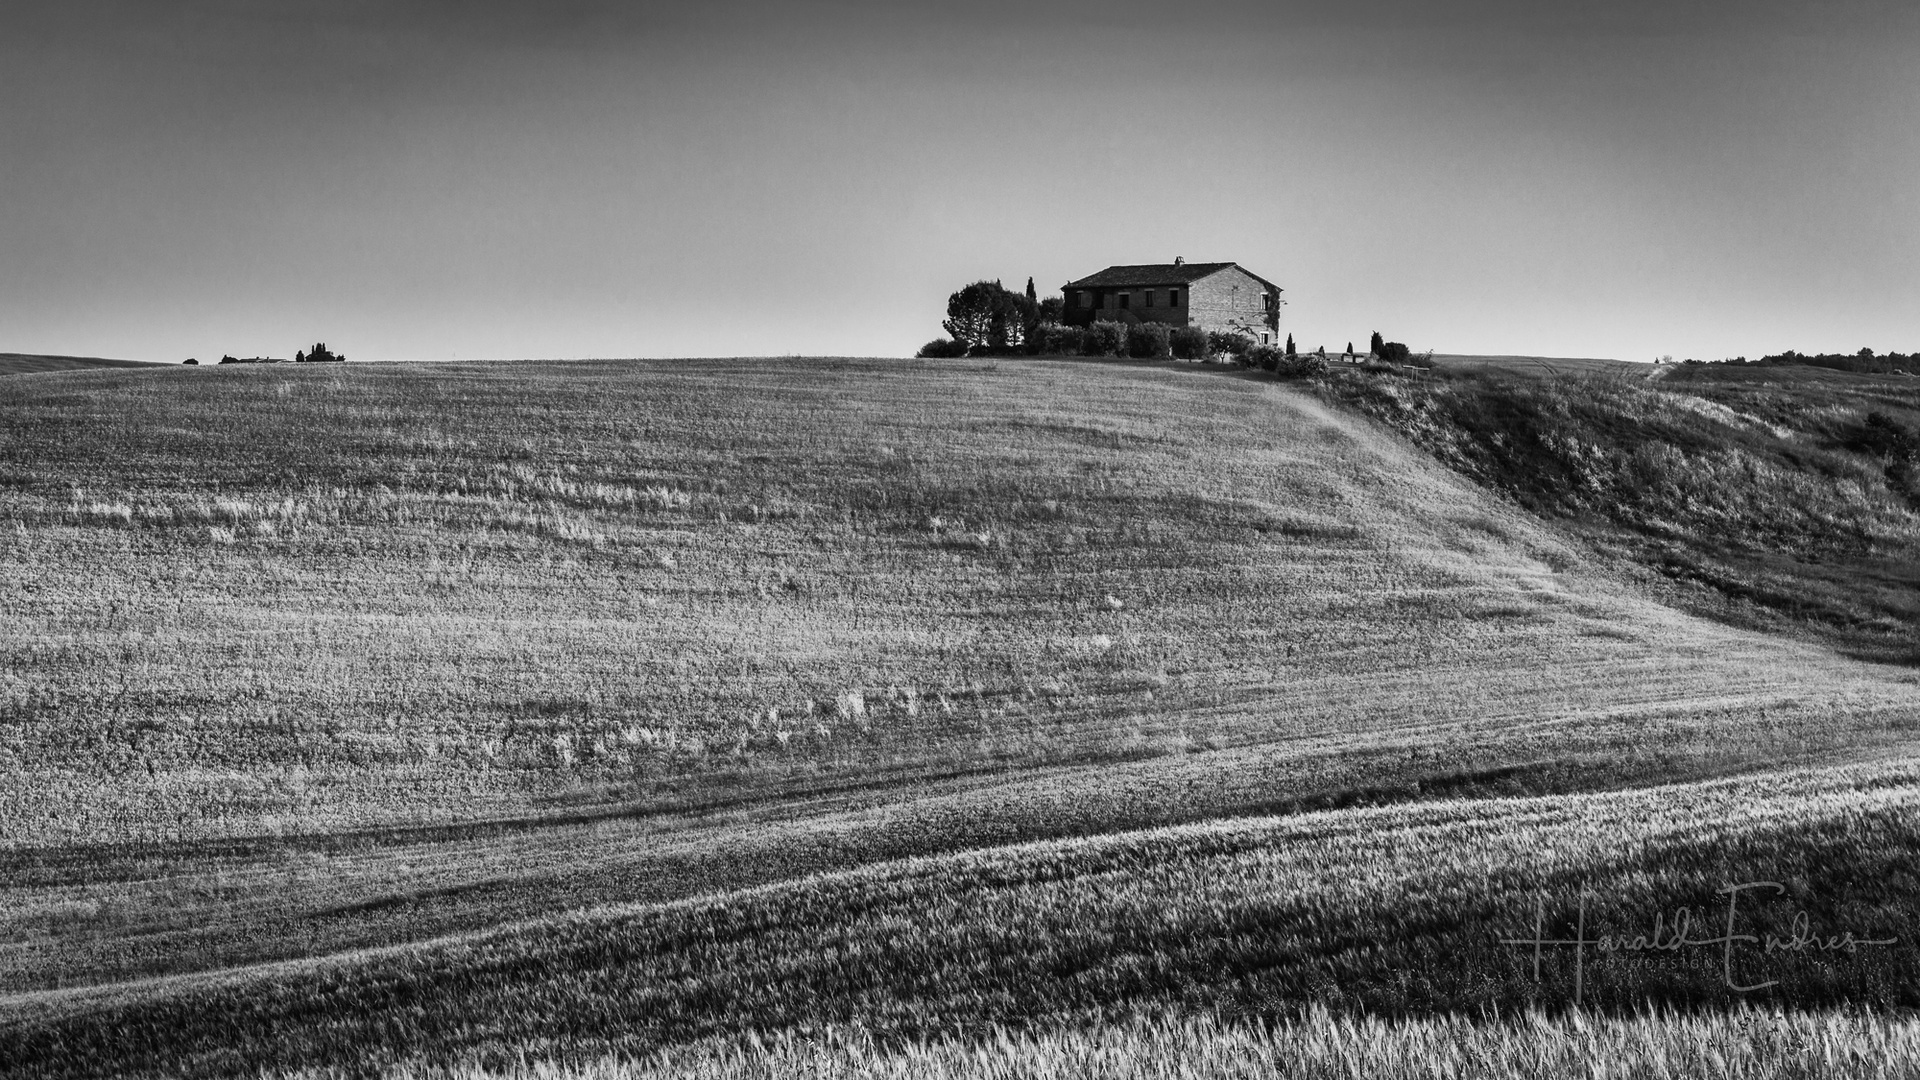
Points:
x=1188 y=343
x=1149 y=341
x=1267 y=357
x=1105 y=338
x=1884 y=437
x=1297 y=366
x=1063 y=340
x=942 y=349
x=1393 y=352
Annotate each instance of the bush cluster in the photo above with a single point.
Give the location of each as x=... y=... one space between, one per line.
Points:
x=1105 y=338
x=942 y=349
x=1188 y=343
x=1394 y=352
x=1295 y=365
x=1059 y=340
x=1149 y=340
x=1884 y=437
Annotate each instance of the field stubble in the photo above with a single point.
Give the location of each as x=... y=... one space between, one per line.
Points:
x=1393 y=911
x=302 y=661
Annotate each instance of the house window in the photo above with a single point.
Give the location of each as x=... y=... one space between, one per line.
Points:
x=1173 y=297
x=1149 y=297
x=1126 y=301
x=1086 y=298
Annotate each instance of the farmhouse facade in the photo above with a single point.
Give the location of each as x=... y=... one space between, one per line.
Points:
x=1212 y=296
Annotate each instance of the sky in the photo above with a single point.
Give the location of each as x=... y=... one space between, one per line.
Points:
x=424 y=179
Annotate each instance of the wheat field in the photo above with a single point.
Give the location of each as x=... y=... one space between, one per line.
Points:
x=305 y=663
x=1404 y=911
x=1744 y=1045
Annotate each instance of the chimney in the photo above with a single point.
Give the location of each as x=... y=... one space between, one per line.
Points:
x=1179 y=261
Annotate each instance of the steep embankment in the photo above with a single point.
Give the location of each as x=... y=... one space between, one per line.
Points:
x=304 y=661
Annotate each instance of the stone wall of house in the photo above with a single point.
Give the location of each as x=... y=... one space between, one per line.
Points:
x=1233 y=299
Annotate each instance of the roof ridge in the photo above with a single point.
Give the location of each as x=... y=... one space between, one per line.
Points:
x=1124 y=275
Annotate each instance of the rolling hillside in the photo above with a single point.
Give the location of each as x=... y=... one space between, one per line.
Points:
x=24 y=363
x=1411 y=910
x=1541 y=365
x=307 y=662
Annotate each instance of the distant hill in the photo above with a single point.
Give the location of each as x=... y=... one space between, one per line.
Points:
x=1558 y=365
x=23 y=363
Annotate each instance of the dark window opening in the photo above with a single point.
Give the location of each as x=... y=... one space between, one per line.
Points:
x=1149 y=297
x=1173 y=297
x=1126 y=301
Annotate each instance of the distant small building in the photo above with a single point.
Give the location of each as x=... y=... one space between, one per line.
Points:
x=1212 y=296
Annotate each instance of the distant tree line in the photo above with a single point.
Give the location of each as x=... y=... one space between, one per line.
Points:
x=1865 y=362
x=320 y=354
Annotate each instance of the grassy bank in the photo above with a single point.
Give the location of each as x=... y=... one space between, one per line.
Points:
x=1771 y=496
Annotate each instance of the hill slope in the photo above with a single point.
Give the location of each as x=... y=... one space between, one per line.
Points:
x=24 y=363
x=1408 y=909
x=307 y=661
x=1783 y=497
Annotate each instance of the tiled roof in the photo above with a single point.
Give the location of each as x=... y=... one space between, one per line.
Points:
x=1158 y=274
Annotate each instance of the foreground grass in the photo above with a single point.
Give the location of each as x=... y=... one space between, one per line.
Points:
x=1394 y=911
x=1742 y=1045
x=1766 y=492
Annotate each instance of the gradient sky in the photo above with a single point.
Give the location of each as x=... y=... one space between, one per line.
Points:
x=437 y=178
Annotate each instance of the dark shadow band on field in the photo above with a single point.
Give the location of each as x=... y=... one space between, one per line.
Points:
x=864 y=948
x=539 y=869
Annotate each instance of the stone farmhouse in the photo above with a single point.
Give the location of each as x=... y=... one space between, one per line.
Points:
x=1212 y=296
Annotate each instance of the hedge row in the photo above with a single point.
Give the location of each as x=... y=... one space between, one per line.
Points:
x=1141 y=340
